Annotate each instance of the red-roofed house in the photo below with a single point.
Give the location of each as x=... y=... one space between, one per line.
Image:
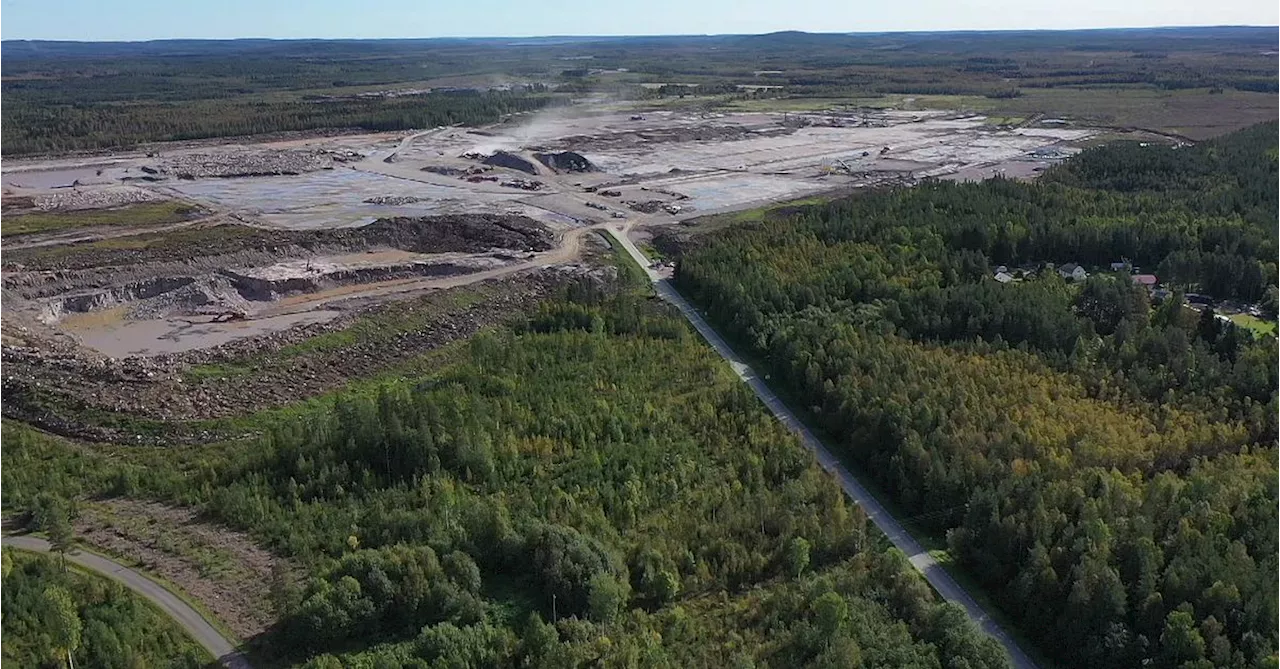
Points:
x=1148 y=280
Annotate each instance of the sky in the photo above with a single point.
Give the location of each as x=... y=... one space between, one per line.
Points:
x=168 y=19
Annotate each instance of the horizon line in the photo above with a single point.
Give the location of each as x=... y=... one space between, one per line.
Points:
x=634 y=35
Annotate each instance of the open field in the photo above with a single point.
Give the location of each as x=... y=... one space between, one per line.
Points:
x=138 y=215
x=1256 y=325
x=1196 y=114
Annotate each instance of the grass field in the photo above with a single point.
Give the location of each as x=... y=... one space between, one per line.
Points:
x=1193 y=113
x=1255 y=325
x=141 y=215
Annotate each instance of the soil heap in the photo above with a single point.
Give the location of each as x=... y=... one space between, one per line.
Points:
x=566 y=161
x=510 y=161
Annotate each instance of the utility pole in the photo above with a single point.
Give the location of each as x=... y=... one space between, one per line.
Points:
x=554 y=618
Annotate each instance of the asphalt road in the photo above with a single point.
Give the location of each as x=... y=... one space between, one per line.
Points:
x=187 y=617
x=920 y=558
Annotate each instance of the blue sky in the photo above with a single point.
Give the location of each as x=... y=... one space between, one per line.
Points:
x=157 y=19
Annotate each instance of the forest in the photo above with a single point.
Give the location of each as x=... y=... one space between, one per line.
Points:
x=589 y=486
x=72 y=96
x=42 y=128
x=50 y=610
x=1102 y=463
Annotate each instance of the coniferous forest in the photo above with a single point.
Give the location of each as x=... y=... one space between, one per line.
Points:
x=1101 y=462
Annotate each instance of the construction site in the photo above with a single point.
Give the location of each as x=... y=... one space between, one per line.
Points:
x=283 y=240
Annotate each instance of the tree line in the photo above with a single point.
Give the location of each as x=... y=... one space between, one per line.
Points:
x=36 y=127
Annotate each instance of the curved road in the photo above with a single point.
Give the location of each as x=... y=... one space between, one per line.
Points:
x=182 y=613
x=919 y=557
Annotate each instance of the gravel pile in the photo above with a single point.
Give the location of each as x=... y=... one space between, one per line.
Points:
x=392 y=200
x=252 y=163
x=76 y=198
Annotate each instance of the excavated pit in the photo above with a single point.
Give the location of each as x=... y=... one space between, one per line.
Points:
x=100 y=300
x=267 y=284
x=175 y=291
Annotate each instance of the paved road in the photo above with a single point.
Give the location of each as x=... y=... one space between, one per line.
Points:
x=178 y=610
x=920 y=558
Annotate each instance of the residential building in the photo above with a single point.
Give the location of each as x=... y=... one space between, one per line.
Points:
x=1073 y=272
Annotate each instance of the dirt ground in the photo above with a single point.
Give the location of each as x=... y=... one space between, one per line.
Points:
x=222 y=570
x=302 y=239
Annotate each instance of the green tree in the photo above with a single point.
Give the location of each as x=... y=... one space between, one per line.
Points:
x=61 y=535
x=832 y=613
x=840 y=653
x=1181 y=641
x=607 y=595
x=62 y=620
x=797 y=556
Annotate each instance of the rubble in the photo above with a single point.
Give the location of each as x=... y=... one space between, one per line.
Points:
x=393 y=200
x=252 y=163
x=97 y=198
x=646 y=206
x=523 y=184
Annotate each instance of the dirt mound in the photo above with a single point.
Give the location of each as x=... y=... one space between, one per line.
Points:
x=566 y=161
x=469 y=233
x=510 y=161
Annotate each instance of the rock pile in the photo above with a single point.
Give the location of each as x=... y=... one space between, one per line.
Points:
x=252 y=163
x=523 y=184
x=566 y=161
x=392 y=200
x=93 y=198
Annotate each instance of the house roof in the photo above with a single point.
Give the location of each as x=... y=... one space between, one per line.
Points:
x=1145 y=279
x=1004 y=277
x=1068 y=268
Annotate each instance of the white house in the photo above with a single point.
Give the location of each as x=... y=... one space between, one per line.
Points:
x=1073 y=272
x=1004 y=277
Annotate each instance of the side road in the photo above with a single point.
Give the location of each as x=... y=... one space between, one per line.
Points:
x=188 y=618
x=920 y=558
